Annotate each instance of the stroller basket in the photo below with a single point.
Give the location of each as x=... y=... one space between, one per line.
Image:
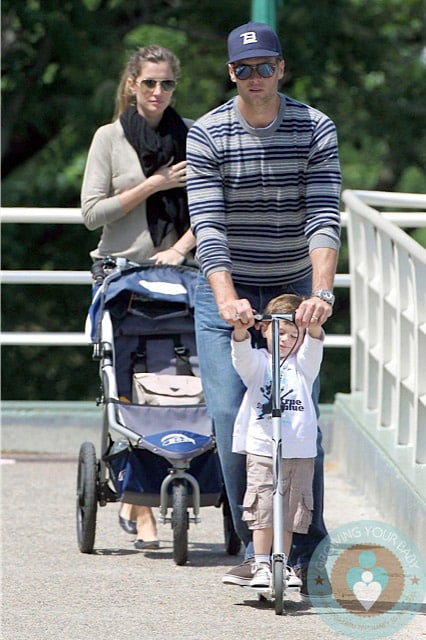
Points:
x=176 y=441
x=166 y=445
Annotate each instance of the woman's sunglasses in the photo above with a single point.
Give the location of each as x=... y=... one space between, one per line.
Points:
x=166 y=85
x=264 y=69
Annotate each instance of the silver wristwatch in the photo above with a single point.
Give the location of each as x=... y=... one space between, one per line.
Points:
x=325 y=295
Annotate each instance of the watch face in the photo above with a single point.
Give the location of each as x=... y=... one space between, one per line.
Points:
x=325 y=295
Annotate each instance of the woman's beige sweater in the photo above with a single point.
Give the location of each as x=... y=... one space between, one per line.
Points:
x=112 y=167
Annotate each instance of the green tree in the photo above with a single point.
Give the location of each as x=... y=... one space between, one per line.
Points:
x=361 y=62
x=364 y=63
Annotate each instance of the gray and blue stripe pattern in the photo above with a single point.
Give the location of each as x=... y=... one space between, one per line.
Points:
x=261 y=198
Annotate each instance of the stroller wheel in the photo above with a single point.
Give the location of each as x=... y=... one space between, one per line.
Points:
x=232 y=541
x=180 y=521
x=86 y=497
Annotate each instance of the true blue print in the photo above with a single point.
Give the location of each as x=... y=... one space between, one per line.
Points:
x=264 y=409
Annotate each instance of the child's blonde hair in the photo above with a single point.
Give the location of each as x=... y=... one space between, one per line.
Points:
x=285 y=303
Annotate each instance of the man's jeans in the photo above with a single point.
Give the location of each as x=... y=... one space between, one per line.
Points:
x=224 y=390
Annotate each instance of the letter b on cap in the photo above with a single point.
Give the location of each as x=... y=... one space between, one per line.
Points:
x=249 y=37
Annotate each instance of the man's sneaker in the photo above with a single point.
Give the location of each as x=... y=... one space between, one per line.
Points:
x=292 y=579
x=322 y=585
x=262 y=576
x=241 y=575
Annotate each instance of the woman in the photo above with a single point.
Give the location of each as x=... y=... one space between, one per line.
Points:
x=134 y=188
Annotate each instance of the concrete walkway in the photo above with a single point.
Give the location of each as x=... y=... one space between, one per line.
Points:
x=53 y=592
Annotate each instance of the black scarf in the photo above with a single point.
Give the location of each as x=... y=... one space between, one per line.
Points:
x=166 y=210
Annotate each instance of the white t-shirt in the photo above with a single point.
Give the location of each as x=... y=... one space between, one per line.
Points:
x=253 y=426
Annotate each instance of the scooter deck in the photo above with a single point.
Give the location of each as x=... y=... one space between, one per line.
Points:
x=268 y=593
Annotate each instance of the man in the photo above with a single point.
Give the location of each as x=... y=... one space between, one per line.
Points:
x=263 y=186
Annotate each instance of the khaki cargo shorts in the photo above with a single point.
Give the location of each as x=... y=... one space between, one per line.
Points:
x=298 y=475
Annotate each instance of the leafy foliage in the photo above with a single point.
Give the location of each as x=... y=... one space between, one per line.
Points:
x=362 y=62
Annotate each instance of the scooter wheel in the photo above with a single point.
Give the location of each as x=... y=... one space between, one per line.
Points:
x=278 y=580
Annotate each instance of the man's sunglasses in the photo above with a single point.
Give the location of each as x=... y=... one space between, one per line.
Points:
x=264 y=69
x=166 y=85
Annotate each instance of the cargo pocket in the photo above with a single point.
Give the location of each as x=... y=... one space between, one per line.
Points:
x=249 y=507
x=303 y=516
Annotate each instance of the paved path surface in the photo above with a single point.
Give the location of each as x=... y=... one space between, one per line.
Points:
x=53 y=592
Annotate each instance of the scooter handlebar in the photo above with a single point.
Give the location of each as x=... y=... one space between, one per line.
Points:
x=268 y=317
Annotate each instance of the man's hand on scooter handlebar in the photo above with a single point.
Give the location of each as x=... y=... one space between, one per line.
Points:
x=237 y=312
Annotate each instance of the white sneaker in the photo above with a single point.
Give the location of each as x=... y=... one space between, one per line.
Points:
x=292 y=579
x=262 y=576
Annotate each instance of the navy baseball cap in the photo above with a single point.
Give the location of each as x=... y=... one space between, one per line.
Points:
x=253 y=40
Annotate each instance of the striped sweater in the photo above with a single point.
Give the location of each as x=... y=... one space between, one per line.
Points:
x=261 y=199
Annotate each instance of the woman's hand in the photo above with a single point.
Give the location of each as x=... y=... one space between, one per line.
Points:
x=166 y=177
x=168 y=256
x=177 y=254
x=173 y=175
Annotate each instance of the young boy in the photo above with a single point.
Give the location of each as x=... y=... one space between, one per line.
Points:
x=301 y=354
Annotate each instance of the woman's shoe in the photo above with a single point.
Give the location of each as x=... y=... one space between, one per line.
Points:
x=146 y=544
x=129 y=526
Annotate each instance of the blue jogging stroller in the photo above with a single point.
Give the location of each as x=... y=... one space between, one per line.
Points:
x=157 y=446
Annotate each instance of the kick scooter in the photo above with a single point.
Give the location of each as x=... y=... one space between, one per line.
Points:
x=278 y=587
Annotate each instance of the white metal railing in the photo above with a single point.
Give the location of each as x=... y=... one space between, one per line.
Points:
x=388 y=326
x=73 y=216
